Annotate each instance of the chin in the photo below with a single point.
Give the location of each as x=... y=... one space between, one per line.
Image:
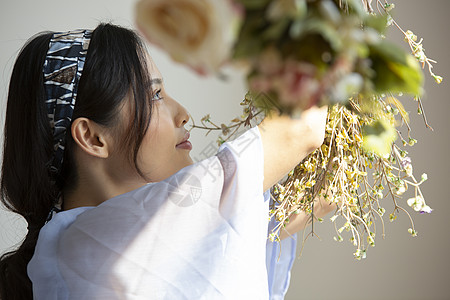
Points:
x=187 y=162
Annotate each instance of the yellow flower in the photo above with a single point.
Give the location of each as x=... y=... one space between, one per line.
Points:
x=308 y=166
x=438 y=79
x=353 y=119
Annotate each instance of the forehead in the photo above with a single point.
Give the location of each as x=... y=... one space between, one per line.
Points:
x=152 y=68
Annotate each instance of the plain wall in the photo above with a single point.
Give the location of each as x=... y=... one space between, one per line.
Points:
x=398 y=267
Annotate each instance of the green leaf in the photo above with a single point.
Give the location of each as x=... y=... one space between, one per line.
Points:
x=326 y=30
x=249 y=42
x=376 y=22
x=378 y=137
x=354 y=7
x=247 y=48
x=395 y=70
x=309 y=48
x=267 y=102
x=253 y=4
x=276 y=30
x=287 y=9
x=297 y=28
x=301 y=9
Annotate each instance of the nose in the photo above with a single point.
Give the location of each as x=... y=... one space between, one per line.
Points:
x=182 y=115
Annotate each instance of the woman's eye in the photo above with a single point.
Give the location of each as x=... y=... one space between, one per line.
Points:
x=157 y=95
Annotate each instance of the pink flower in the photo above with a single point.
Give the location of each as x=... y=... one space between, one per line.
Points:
x=270 y=62
x=268 y=67
x=261 y=83
x=296 y=86
x=293 y=82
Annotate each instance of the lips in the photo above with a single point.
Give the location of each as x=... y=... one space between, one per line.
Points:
x=187 y=135
x=185 y=144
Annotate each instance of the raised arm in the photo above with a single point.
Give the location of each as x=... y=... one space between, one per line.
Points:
x=287 y=141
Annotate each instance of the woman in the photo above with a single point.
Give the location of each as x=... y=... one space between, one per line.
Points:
x=92 y=136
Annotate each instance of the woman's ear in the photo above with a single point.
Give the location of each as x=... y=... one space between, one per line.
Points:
x=91 y=137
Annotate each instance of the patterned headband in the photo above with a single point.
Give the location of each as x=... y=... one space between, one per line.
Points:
x=62 y=71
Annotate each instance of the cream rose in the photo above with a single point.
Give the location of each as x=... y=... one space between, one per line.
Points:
x=199 y=33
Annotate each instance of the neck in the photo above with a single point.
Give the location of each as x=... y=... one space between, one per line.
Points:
x=97 y=183
x=94 y=194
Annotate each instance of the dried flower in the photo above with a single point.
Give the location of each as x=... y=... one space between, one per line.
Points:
x=438 y=79
x=357 y=71
x=418 y=204
x=412 y=232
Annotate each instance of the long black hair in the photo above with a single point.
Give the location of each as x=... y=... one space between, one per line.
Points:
x=115 y=71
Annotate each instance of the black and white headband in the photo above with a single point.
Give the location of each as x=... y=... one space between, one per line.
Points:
x=62 y=70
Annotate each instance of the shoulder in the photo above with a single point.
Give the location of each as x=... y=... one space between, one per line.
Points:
x=114 y=224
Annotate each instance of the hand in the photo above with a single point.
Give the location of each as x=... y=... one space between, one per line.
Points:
x=299 y=221
x=287 y=141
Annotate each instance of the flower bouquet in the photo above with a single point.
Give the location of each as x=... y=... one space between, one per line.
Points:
x=301 y=53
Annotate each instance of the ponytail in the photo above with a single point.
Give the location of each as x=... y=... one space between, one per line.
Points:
x=26 y=187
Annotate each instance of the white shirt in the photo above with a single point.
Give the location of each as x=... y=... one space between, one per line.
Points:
x=199 y=234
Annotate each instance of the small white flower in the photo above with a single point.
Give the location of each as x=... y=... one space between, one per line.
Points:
x=409 y=170
x=412 y=232
x=426 y=209
x=417 y=203
x=401 y=190
x=405 y=162
x=424 y=177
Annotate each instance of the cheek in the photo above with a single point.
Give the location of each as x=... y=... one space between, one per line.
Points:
x=157 y=149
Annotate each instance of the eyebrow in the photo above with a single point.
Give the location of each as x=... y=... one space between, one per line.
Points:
x=156 y=81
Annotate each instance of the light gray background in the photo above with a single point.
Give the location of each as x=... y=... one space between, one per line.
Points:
x=399 y=267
